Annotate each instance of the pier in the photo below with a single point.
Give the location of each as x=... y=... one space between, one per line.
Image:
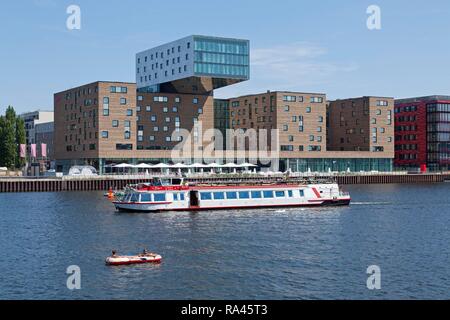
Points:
x=117 y=182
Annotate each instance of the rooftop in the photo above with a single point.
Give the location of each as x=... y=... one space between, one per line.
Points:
x=426 y=98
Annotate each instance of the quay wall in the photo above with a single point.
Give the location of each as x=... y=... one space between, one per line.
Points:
x=105 y=183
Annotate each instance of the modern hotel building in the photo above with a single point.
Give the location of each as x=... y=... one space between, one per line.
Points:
x=109 y=122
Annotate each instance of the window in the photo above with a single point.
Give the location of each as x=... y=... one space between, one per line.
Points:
x=279 y=194
x=195 y=101
x=105 y=134
x=159 y=197
x=106 y=106
x=232 y=195
x=219 y=196
x=256 y=195
x=115 y=123
x=290 y=194
x=205 y=196
x=308 y=109
x=148 y=108
x=316 y=99
x=153 y=118
x=146 y=197
x=382 y=103
x=302 y=193
x=123 y=101
x=286 y=108
x=289 y=98
x=129 y=112
x=268 y=194
x=127 y=135
x=244 y=195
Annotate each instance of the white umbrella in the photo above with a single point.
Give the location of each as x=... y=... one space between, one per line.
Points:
x=143 y=166
x=232 y=165
x=197 y=165
x=247 y=165
x=161 y=166
x=123 y=165
x=180 y=166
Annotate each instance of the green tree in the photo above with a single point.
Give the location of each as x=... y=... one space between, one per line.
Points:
x=8 y=148
x=2 y=141
x=20 y=139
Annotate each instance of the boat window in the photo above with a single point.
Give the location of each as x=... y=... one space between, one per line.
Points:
x=146 y=197
x=219 y=196
x=175 y=197
x=279 y=194
x=231 y=195
x=256 y=195
x=134 y=197
x=206 y=196
x=268 y=194
x=290 y=194
x=127 y=198
x=159 y=197
x=182 y=196
x=244 y=195
x=302 y=193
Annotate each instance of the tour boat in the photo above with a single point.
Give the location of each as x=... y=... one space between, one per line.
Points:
x=175 y=195
x=139 y=259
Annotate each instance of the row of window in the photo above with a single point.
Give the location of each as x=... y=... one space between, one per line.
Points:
x=266 y=194
x=288 y=98
x=158 y=55
x=161 y=65
x=152 y=197
x=300 y=148
x=166 y=74
x=405 y=109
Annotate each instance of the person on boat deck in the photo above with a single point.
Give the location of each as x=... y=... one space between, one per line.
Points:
x=114 y=254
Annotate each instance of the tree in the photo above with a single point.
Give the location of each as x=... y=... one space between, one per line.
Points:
x=20 y=139
x=8 y=148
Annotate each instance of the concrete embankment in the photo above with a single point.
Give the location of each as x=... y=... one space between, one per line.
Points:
x=103 y=183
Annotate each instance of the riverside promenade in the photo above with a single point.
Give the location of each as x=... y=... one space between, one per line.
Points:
x=117 y=182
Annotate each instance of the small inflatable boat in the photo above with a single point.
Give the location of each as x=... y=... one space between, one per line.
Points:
x=139 y=259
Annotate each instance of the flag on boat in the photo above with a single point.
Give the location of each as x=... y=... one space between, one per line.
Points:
x=44 y=150
x=33 y=150
x=23 y=151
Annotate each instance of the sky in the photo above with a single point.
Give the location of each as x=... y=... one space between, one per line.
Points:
x=298 y=45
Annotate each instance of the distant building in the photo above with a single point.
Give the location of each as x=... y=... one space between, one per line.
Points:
x=44 y=135
x=32 y=119
x=422 y=133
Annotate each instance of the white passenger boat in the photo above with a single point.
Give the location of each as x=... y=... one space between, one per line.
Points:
x=174 y=195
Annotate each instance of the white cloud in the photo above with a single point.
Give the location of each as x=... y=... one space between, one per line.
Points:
x=298 y=67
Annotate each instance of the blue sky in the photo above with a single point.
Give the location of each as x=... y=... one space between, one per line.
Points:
x=311 y=46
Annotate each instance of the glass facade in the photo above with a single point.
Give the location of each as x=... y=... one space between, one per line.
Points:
x=221 y=57
x=438 y=136
x=337 y=165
